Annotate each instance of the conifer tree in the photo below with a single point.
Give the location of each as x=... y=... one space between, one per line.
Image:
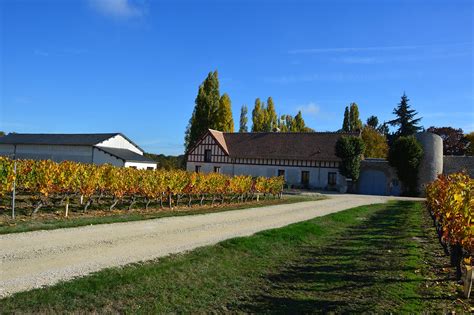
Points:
x=406 y=121
x=346 y=124
x=243 y=119
x=225 y=121
x=383 y=129
x=205 y=113
x=258 y=116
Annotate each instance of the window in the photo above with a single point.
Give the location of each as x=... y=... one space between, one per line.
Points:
x=281 y=173
x=207 y=155
x=332 y=178
x=305 y=179
x=217 y=169
x=150 y=168
x=198 y=168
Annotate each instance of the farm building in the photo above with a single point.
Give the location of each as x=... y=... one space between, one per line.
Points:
x=97 y=148
x=309 y=160
x=305 y=159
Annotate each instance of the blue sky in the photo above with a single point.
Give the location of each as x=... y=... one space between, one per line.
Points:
x=135 y=66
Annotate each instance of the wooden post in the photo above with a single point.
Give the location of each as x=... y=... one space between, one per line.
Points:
x=469 y=278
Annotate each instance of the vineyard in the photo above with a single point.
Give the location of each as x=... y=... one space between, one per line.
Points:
x=450 y=200
x=46 y=183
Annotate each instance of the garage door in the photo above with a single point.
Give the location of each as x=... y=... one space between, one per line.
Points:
x=372 y=182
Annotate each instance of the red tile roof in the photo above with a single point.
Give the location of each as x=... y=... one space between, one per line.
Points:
x=318 y=146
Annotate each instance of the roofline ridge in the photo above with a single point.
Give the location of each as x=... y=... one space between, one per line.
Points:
x=90 y=133
x=290 y=132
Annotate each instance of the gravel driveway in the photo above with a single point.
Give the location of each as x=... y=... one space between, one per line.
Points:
x=34 y=259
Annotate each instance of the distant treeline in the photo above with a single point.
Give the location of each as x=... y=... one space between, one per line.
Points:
x=168 y=162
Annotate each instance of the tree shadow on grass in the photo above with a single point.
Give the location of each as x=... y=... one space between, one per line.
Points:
x=363 y=269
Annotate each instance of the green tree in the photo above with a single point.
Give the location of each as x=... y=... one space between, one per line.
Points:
x=271 y=118
x=406 y=121
x=470 y=143
x=454 y=141
x=299 y=124
x=225 y=121
x=285 y=122
x=355 y=122
x=375 y=143
x=383 y=129
x=349 y=150
x=205 y=111
x=373 y=122
x=258 y=116
x=405 y=156
x=243 y=119
x=346 y=124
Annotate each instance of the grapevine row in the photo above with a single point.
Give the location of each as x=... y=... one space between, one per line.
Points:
x=45 y=179
x=450 y=200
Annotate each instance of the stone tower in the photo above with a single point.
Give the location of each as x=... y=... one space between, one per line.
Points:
x=432 y=162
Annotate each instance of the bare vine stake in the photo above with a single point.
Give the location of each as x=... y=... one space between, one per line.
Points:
x=14 y=190
x=67 y=206
x=468 y=280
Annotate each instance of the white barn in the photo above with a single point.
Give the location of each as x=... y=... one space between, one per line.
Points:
x=305 y=159
x=97 y=148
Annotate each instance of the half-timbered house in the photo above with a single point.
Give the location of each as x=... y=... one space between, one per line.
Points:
x=305 y=159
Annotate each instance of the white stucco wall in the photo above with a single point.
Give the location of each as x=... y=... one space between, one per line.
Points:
x=56 y=153
x=318 y=176
x=121 y=143
x=140 y=165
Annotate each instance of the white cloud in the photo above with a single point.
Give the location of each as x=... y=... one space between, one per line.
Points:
x=311 y=109
x=348 y=49
x=122 y=9
x=42 y=53
x=339 y=77
x=372 y=48
x=359 y=60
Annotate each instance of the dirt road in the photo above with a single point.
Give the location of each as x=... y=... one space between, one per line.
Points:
x=34 y=259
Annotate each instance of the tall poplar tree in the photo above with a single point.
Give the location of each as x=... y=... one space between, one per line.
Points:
x=355 y=122
x=299 y=124
x=271 y=118
x=243 y=119
x=258 y=116
x=406 y=121
x=225 y=121
x=205 y=113
x=352 y=122
x=346 y=124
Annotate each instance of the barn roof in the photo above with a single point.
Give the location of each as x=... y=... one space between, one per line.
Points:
x=318 y=146
x=61 y=138
x=56 y=139
x=126 y=155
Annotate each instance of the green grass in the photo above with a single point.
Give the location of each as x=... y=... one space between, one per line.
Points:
x=379 y=258
x=27 y=223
